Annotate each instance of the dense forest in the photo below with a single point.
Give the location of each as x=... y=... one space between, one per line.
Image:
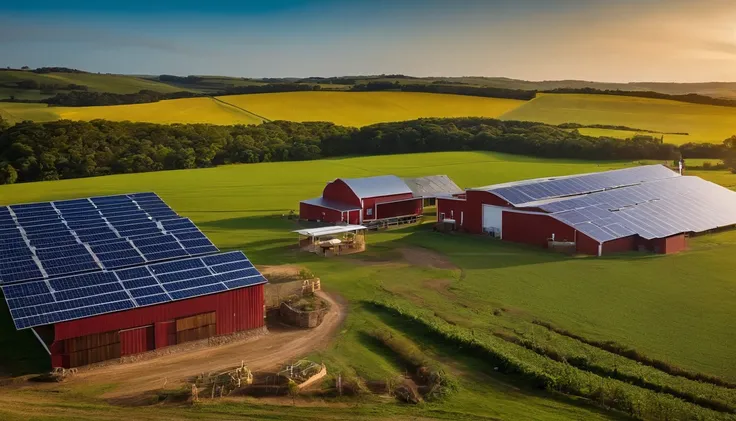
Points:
x=691 y=98
x=71 y=149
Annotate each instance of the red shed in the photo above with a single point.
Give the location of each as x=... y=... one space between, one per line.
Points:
x=646 y=207
x=361 y=200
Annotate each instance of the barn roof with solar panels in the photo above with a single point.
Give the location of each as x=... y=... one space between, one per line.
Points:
x=650 y=207
x=72 y=259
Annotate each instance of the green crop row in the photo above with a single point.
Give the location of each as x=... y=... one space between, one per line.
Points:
x=637 y=356
x=545 y=373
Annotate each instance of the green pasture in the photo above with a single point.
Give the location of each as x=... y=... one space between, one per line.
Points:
x=95 y=82
x=675 y=308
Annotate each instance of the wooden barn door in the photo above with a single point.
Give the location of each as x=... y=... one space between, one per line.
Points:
x=201 y=326
x=137 y=340
x=91 y=349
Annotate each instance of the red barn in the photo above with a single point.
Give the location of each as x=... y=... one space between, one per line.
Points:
x=361 y=200
x=647 y=207
x=103 y=278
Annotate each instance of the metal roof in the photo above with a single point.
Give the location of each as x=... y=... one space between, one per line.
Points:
x=338 y=229
x=656 y=209
x=522 y=193
x=384 y=185
x=331 y=204
x=433 y=186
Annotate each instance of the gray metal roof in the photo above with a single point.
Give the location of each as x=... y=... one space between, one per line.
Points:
x=433 y=186
x=330 y=204
x=384 y=185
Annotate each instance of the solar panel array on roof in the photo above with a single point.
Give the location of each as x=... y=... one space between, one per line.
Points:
x=42 y=240
x=651 y=210
x=67 y=298
x=535 y=190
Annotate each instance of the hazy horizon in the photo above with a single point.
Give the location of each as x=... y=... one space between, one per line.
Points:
x=536 y=40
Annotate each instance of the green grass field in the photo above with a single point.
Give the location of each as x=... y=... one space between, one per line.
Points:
x=676 y=308
x=703 y=123
x=119 y=84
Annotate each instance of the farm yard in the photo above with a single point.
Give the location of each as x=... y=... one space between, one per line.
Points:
x=670 y=308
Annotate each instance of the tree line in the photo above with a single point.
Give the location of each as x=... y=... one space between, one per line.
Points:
x=455 y=89
x=71 y=149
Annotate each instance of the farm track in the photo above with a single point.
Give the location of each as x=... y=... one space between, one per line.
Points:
x=280 y=346
x=265 y=120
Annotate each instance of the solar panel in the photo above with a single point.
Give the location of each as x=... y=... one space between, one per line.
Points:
x=535 y=190
x=72 y=297
x=651 y=210
x=103 y=223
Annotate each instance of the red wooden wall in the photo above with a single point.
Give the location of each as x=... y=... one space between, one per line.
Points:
x=135 y=341
x=390 y=209
x=318 y=213
x=452 y=209
x=237 y=310
x=474 y=210
x=535 y=229
x=393 y=209
x=338 y=191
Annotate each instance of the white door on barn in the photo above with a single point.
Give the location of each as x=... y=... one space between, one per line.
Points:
x=492 y=220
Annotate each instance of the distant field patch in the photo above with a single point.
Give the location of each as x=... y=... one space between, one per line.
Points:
x=703 y=123
x=364 y=108
x=189 y=110
x=676 y=139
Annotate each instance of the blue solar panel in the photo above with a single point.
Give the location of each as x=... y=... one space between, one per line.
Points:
x=222 y=258
x=32 y=303
x=152 y=299
x=140 y=282
x=150 y=290
x=229 y=267
x=178 y=224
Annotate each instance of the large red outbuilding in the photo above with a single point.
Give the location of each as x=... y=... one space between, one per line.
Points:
x=370 y=199
x=648 y=207
x=107 y=277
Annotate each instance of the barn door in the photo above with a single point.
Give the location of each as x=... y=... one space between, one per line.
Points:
x=492 y=220
x=135 y=341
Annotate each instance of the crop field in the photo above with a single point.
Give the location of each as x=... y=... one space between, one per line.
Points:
x=703 y=123
x=677 y=308
x=187 y=110
x=365 y=108
x=675 y=139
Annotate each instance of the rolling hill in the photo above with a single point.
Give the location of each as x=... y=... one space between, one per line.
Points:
x=119 y=84
x=703 y=123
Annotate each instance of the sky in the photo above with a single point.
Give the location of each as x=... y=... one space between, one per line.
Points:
x=600 y=40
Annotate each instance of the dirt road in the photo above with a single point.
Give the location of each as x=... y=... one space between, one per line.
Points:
x=281 y=345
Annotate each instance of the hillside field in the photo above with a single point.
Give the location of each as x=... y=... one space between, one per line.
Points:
x=187 y=110
x=676 y=308
x=365 y=108
x=703 y=123
x=118 y=84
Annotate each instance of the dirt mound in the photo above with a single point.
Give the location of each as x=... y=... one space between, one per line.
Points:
x=282 y=273
x=426 y=258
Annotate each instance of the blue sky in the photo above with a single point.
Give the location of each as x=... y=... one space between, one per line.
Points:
x=616 y=40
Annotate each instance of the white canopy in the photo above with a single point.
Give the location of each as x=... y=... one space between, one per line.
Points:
x=338 y=229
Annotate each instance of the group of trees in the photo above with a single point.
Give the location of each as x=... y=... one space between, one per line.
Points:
x=49 y=87
x=456 y=89
x=70 y=149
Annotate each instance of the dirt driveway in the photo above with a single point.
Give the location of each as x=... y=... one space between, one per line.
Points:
x=281 y=345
